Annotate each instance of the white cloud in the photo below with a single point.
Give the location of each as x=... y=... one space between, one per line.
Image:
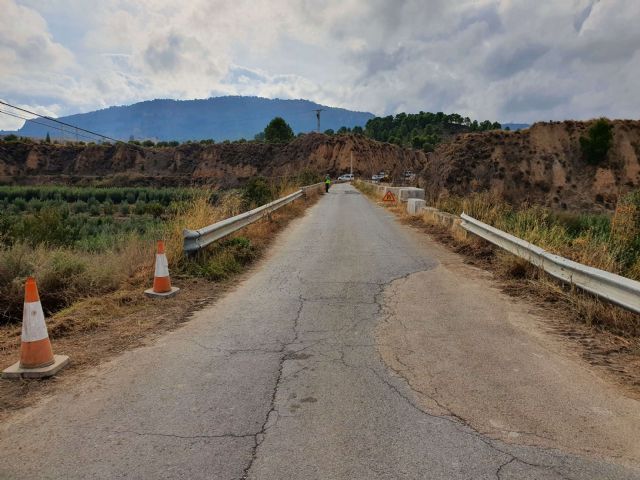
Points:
x=497 y=59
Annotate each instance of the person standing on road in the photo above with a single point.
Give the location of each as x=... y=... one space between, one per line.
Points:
x=327 y=184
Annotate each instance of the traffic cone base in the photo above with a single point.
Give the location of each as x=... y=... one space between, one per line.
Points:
x=16 y=371
x=171 y=293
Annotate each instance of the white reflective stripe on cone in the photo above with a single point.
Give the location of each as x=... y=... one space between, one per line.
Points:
x=162 y=265
x=33 y=326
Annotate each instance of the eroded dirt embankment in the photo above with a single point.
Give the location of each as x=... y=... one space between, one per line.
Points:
x=223 y=165
x=541 y=165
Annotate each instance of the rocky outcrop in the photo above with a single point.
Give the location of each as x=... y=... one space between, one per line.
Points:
x=543 y=165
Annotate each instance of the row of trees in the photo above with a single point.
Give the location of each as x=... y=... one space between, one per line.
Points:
x=423 y=130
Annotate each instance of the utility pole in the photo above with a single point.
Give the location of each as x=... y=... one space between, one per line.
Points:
x=318 y=117
x=351 y=171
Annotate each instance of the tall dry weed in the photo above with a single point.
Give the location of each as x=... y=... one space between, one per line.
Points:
x=611 y=245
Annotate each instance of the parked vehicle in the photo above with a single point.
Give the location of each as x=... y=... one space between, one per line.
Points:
x=379 y=177
x=346 y=177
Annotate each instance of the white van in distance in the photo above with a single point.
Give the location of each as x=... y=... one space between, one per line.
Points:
x=346 y=177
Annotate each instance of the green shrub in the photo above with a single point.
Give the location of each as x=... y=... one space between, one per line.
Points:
x=309 y=177
x=20 y=204
x=108 y=207
x=596 y=145
x=140 y=207
x=257 y=192
x=155 y=209
x=80 y=207
x=94 y=209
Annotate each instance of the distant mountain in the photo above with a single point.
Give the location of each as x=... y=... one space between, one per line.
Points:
x=515 y=126
x=219 y=118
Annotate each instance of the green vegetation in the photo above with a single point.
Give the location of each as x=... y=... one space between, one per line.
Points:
x=258 y=192
x=117 y=195
x=596 y=145
x=422 y=130
x=223 y=259
x=278 y=131
x=78 y=241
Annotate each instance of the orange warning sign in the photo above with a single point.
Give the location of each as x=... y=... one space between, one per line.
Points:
x=389 y=197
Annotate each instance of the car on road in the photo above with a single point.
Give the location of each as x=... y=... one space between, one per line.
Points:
x=379 y=177
x=347 y=177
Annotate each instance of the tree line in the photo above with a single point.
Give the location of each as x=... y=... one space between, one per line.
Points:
x=422 y=130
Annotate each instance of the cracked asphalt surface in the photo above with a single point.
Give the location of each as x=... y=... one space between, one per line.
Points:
x=280 y=379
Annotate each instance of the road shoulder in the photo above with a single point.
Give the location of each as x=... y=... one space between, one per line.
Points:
x=468 y=350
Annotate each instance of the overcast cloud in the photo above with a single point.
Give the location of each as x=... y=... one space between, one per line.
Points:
x=506 y=60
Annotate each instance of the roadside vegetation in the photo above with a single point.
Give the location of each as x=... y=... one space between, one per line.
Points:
x=86 y=242
x=609 y=242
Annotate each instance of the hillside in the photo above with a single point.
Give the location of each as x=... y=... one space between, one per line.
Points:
x=223 y=165
x=543 y=165
x=220 y=118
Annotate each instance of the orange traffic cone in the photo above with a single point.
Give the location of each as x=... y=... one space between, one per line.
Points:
x=36 y=355
x=161 y=281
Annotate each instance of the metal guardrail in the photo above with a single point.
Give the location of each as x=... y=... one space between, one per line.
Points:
x=617 y=289
x=195 y=240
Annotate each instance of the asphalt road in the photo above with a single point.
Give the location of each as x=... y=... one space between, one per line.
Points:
x=280 y=379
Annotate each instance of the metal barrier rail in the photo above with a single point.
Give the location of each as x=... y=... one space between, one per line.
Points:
x=195 y=240
x=617 y=289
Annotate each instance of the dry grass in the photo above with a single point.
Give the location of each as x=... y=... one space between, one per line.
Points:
x=368 y=189
x=65 y=275
x=599 y=241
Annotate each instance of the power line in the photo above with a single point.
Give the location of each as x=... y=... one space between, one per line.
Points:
x=60 y=122
x=46 y=125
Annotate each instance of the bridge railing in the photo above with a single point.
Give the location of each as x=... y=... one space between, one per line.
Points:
x=195 y=240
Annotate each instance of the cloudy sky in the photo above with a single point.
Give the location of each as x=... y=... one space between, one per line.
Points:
x=506 y=60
